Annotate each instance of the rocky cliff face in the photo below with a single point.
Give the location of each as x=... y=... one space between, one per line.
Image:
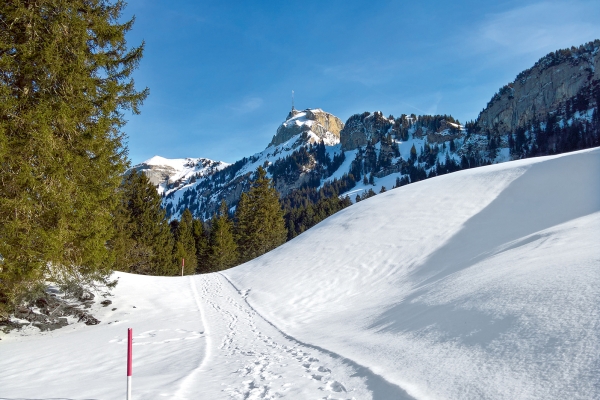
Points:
x=324 y=125
x=361 y=129
x=542 y=89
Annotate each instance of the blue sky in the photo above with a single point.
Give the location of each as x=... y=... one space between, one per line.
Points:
x=221 y=73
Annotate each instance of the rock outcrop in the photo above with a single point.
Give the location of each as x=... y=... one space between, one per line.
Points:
x=49 y=311
x=324 y=125
x=156 y=174
x=555 y=78
x=361 y=129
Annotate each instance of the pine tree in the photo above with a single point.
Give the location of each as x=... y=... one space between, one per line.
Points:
x=64 y=83
x=260 y=223
x=201 y=243
x=143 y=241
x=222 y=253
x=185 y=243
x=413 y=154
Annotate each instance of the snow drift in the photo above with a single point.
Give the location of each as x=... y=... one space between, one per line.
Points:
x=479 y=284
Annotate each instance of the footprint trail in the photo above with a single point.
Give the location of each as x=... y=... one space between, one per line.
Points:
x=248 y=358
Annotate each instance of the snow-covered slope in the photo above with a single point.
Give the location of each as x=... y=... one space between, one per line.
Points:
x=481 y=284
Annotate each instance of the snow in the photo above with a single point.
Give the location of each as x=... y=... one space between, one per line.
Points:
x=176 y=163
x=478 y=284
x=181 y=170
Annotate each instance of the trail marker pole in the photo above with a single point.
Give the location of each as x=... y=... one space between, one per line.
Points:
x=182 y=265
x=129 y=357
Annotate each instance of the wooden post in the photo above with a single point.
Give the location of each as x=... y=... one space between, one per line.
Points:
x=182 y=265
x=129 y=359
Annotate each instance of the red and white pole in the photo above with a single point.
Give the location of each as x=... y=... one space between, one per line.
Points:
x=129 y=357
x=182 y=265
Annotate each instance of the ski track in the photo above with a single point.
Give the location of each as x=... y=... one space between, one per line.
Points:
x=192 y=377
x=248 y=358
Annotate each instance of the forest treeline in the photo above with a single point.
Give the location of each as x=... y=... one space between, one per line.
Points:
x=147 y=243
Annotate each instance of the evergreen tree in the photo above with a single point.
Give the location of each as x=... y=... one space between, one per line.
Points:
x=143 y=241
x=185 y=243
x=201 y=243
x=64 y=83
x=222 y=253
x=413 y=154
x=260 y=223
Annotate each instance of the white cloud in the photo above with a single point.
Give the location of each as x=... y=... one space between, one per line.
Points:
x=538 y=28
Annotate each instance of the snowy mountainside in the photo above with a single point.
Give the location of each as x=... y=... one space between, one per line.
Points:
x=202 y=190
x=481 y=284
x=371 y=153
x=166 y=173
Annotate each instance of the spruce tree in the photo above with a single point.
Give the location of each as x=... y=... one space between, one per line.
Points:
x=143 y=242
x=201 y=242
x=185 y=244
x=223 y=252
x=260 y=224
x=413 y=155
x=64 y=83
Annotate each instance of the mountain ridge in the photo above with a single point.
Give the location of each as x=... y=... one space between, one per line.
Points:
x=549 y=108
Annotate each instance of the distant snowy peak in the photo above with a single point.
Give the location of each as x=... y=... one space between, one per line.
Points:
x=316 y=124
x=164 y=172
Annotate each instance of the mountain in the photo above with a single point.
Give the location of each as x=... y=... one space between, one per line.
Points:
x=548 y=109
x=563 y=82
x=200 y=184
x=167 y=173
x=317 y=124
x=481 y=284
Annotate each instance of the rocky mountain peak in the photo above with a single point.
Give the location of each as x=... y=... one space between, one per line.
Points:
x=543 y=88
x=316 y=123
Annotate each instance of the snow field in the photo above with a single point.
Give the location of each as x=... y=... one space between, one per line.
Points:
x=361 y=283
x=194 y=338
x=82 y=362
x=481 y=284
